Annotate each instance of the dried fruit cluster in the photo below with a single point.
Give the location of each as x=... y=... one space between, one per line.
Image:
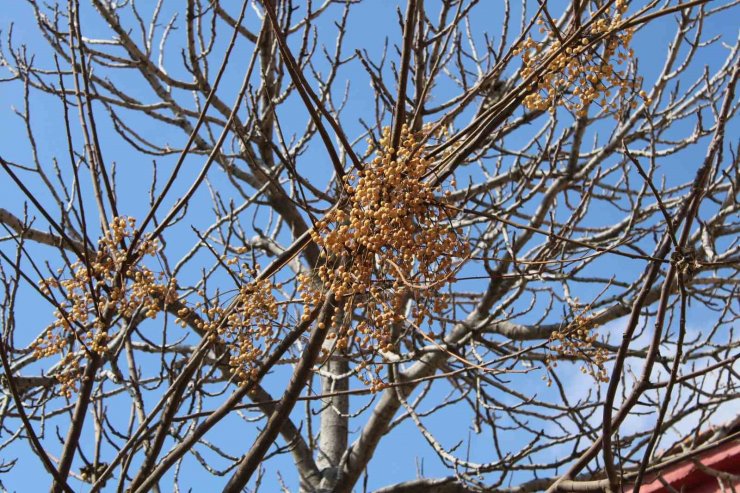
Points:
x=248 y=330
x=583 y=72
x=111 y=284
x=392 y=246
x=576 y=341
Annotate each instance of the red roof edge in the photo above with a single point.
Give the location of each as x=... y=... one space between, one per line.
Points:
x=687 y=476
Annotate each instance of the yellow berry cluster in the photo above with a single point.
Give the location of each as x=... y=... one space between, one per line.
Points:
x=586 y=70
x=392 y=246
x=577 y=341
x=97 y=292
x=248 y=330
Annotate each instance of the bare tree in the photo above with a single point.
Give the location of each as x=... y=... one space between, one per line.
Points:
x=282 y=244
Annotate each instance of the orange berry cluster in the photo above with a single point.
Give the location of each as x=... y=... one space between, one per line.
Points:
x=577 y=341
x=248 y=330
x=391 y=246
x=95 y=295
x=584 y=71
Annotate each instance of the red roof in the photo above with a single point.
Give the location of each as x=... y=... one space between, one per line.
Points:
x=699 y=474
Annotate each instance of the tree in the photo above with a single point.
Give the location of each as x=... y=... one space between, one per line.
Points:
x=226 y=263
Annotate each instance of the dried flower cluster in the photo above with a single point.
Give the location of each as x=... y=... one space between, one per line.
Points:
x=391 y=247
x=583 y=71
x=95 y=295
x=576 y=341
